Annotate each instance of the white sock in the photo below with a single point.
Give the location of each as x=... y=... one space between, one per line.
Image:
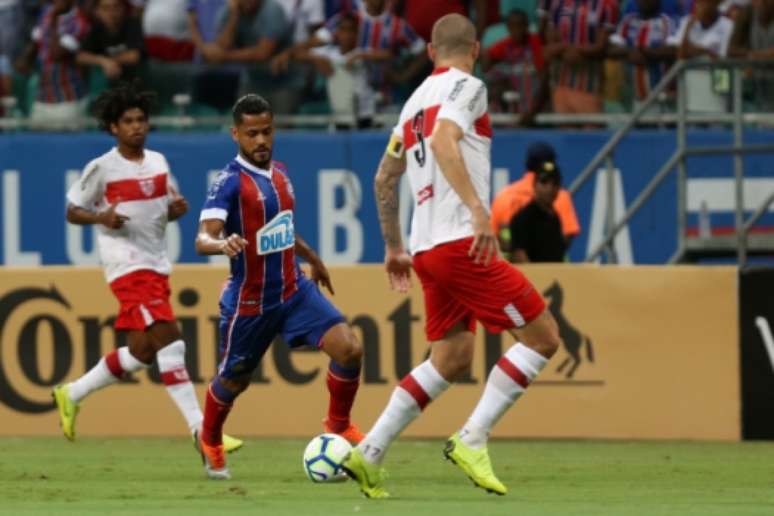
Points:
x=171 y=360
x=413 y=393
x=108 y=370
x=129 y=363
x=95 y=378
x=507 y=381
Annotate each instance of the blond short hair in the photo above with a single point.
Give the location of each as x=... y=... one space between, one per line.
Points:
x=453 y=35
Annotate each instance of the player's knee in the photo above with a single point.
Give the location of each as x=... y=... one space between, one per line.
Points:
x=352 y=351
x=462 y=366
x=235 y=385
x=356 y=349
x=548 y=344
x=164 y=333
x=456 y=365
x=344 y=348
x=543 y=336
x=142 y=350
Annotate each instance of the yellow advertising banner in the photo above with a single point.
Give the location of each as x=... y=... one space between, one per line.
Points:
x=649 y=353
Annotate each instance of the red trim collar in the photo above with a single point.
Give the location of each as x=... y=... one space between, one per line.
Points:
x=439 y=71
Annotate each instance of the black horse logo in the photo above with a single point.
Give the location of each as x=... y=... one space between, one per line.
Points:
x=573 y=339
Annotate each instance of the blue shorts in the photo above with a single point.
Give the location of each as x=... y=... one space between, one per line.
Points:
x=302 y=319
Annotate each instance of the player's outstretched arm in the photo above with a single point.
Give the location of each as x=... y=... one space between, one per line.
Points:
x=396 y=260
x=319 y=272
x=210 y=240
x=446 y=149
x=108 y=218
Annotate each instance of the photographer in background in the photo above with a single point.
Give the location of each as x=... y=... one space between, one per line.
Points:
x=536 y=231
x=514 y=197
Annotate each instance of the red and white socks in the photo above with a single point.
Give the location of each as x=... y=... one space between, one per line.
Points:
x=171 y=361
x=422 y=385
x=507 y=381
x=111 y=368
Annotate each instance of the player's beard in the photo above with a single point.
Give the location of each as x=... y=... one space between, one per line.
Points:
x=251 y=157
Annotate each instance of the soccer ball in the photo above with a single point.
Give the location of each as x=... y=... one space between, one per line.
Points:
x=323 y=457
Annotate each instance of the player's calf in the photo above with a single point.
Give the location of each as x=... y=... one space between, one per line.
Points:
x=221 y=394
x=507 y=382
x=343 y=380
x=174 y=375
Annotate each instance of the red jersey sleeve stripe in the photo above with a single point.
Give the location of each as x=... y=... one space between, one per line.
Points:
x=483 y=126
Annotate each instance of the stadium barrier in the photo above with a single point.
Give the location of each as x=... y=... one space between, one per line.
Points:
x=333 y=181
x=650 y=353
x=756 y=340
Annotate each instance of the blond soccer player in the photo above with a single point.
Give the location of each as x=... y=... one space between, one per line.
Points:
x=442 y=142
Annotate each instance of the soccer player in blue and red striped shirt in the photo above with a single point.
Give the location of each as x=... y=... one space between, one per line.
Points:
x=642 y=39
x=248 y=216
x=515 y=63
x=380 y=28
x=56 y=39
x=382 y=35
x=577 y=38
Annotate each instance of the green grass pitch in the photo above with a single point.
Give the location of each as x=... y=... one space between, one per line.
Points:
x=164 y=476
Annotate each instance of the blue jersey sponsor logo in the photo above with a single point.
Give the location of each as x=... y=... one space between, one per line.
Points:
x=277 y=235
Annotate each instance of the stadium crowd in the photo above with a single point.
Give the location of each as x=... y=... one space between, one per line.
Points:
x=355 y=58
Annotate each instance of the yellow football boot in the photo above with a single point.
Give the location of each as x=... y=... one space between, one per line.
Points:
x=368 y=476
x=67 y=408
x=475 y=464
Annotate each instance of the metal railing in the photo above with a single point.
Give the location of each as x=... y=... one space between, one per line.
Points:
x=183 y=120
x=604 y=159
x=386 y=120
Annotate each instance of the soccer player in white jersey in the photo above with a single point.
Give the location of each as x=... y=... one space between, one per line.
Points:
x=128 y=194
x=443 y=141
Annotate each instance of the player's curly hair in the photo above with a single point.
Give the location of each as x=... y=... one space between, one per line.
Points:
x=250 y=104
x=111 y=104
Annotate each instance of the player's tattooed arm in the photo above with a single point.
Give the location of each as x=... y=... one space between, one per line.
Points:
x=319 y=272
x=396 y=261
x=211 y=240
x=386 y=183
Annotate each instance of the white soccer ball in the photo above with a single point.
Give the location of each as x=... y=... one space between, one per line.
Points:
x=323 y=457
